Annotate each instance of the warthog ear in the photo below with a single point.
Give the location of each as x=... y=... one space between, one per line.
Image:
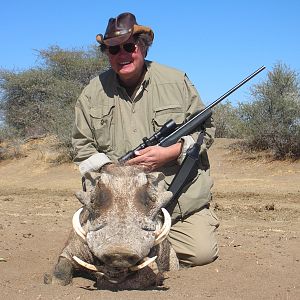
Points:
x=157 y=189
x=83 y=197
x=156 y=179
x=92 y=177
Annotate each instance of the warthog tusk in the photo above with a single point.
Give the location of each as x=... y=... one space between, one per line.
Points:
x=162 y=234
x=146 y=261
x=76 y=224
x=87 y=265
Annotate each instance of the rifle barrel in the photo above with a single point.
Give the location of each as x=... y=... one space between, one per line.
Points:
x=234 y=88
x=194 y=122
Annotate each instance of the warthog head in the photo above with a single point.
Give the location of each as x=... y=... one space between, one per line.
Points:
x=122 y=221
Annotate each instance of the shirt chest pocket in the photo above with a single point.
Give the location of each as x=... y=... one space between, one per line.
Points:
x=102 y=121
x=166 y=113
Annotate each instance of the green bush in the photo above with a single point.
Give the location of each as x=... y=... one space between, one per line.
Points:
x=41 y=100
x=272 y=120
x=227 y=121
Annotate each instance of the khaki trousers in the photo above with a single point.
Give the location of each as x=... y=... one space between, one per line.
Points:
x=194 y=238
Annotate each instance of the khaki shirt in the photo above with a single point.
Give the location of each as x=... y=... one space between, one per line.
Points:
x=108 y=121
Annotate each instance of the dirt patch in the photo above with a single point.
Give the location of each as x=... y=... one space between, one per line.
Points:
x=258 y=202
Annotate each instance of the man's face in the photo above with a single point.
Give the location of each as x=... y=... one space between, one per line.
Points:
x=128 y=62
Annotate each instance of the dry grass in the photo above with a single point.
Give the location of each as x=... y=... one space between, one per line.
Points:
x=46 y=148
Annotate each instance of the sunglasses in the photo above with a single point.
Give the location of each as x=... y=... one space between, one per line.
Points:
x=129 y=47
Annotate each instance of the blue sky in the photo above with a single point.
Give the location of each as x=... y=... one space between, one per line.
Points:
x=217 y=43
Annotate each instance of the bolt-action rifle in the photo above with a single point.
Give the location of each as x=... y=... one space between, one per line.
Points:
x=169 y=134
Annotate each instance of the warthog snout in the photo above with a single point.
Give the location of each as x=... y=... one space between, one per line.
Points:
x=120 y=259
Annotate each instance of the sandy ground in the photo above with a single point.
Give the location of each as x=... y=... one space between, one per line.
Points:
x=258 y=203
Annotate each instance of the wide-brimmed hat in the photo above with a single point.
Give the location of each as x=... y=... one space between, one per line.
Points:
x=120 y=29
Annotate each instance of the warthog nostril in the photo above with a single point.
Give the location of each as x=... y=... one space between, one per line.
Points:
x=120 y=260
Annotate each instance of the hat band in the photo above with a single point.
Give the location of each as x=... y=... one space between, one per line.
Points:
x=119 y=32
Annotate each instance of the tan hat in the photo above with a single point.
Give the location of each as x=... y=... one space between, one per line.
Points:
x=120 y=29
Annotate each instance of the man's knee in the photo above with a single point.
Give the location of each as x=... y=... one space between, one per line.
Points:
x=201 y=256
x=204 y=255
x=194 y=240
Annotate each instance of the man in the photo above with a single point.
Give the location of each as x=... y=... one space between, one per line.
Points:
x=133 y=100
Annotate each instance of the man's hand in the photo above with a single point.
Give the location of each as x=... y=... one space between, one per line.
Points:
x=154 y=157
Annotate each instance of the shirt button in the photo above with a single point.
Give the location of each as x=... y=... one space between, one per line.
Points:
x=133 y=110
x=134 y=130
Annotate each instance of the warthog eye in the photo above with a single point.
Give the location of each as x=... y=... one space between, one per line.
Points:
x=101 y=198
x=143 y=198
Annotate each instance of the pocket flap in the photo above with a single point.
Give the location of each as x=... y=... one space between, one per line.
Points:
x=99 y=113
x=164 y=114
